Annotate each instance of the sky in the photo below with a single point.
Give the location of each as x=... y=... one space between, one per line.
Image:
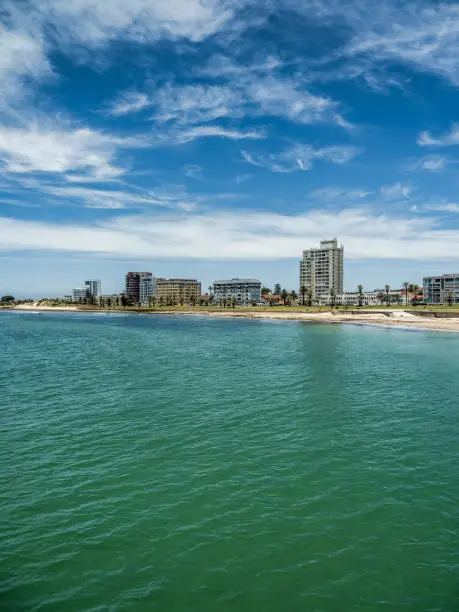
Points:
x=211 y=139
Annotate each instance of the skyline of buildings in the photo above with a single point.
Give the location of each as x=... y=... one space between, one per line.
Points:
x=321 y=280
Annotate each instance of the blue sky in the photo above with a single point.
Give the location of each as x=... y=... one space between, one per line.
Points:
x=207 y=139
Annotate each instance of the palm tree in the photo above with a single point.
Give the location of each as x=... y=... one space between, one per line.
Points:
x=405 y=286
x=387 y=290
x=360 y=298
x=303 y=293
x=449 y=297
x=293 y=297
x=381 y=297
x=284 y=296
x=415 y=292
x=309 y=297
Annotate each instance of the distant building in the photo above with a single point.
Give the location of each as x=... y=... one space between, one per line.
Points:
x=442 y=289
x=93 y=287
x=243 y=290
x=377 y=297
x=277 y=289
x=133 y=284
x=79 y=294
x=321 y=270
x=147 y=289
x=177 y=290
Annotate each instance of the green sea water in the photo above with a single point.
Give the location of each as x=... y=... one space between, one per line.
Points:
x=155 y=463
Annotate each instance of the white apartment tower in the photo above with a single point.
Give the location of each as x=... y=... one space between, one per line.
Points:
x=321 y=270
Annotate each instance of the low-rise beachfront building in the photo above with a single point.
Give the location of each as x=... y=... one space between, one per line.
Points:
x=242 y=290
x=177 y=291
x=442 y=289
x=378 y=297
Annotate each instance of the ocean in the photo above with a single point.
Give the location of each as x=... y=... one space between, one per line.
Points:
x=187 y=463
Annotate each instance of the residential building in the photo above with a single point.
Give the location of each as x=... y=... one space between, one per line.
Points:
x=177 y=290
x=377 y=297
x=79 y=294
x=147 y=289
x=321 y=270
x=242 y=290
x=442 y=289
x=133 y=282
x=93 y=287
x=277 y=289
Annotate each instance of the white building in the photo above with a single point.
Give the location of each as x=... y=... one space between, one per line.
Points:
x=442 y=289
x=321 y=270
x=243 y=290
x=367 y=298
x=94 y=287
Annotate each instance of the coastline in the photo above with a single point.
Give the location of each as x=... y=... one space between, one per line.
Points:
x=391 y=318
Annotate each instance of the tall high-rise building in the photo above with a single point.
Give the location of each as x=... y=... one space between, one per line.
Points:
x=147 y=289
x=93 y=287
x=321 y=270
x=133 y=286
x=277 y=289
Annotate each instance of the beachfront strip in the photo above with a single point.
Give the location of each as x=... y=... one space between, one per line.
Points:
x=321 y=282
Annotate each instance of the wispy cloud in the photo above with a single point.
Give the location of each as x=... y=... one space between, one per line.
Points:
x=215 y=131
x=448 y=139
x=300 y=157
x=94 y=23
x=22 y=60
x=431 y=163
x=61 y=149
x=338 y=194
x=444 y=206
x=245 y=92
x=128 y=102
x=396 y=191
x=245 y=235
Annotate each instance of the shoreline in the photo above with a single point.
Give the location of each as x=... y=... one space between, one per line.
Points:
x=391 y=318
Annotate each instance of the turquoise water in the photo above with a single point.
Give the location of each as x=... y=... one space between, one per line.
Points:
x=195 y=464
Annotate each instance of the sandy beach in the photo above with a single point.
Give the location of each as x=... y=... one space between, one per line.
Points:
x=391 y=318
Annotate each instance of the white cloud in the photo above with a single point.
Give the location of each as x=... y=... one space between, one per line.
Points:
x=99 y=198
x=96 y=23
x=431 y=163
x=247 y=94
x=244 y=234
x=300 y=157
x=215 y=131
x=61 y=149
x=129 y=102
x=396 y=191
x=332 y=194
x=22 y=57
x=450 y=138
x=447 y=207
x=191 y=104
